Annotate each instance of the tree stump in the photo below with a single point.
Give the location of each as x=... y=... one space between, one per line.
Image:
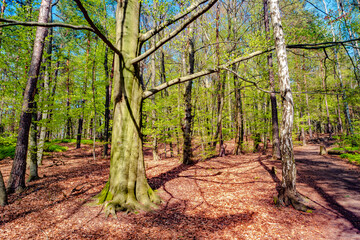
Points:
x=322 y=150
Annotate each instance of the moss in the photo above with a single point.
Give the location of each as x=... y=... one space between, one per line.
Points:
x=105 y=195
x=50 y=147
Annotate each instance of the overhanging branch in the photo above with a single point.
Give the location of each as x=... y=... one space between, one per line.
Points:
x=187 y=78
x=96 y=30
x=11 y=22
x=174 y=33
x=146 y=36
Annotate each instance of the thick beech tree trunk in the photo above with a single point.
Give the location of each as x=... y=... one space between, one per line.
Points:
x=127 y=187
x=187 y=153
x=274 y=113
x=17 y=175
x=287 y=193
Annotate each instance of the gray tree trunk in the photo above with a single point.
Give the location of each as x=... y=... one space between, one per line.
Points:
x=287 y=193
x=3 y=195
x=45 y=97
x=274 y=111
x=17 y=175
x=187 y=153
x=32 y=154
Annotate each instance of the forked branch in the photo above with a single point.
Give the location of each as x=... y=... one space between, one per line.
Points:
x=146 y=36
x=96 y=30
x=174 y=33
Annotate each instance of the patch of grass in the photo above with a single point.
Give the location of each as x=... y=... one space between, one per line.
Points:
x=7 y=151
x=353 y=158
x=83 y=141
x=50 y=147
x=346 y=148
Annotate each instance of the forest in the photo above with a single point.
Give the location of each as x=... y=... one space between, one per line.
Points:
x=158 y=119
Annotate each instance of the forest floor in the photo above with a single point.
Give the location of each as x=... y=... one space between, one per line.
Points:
x=219 y=198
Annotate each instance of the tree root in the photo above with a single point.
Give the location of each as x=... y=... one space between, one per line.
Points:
x=286 y=198
x=126 y=202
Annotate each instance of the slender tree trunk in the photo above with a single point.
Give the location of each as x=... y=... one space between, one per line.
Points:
x=220 y=91
x=287 y=193
x=3 y=195
x=127 y=187
x=45 y=96
x=81 y=119
x=155 y=149
x=308 y=109
x=94 y=103
x=32 y=154
x=17 y=175
x=107 y=102
x=324 y=76
x=350 y=129
x=68 y=101
x=240 y=115
x=274 y=113
x=187 y=153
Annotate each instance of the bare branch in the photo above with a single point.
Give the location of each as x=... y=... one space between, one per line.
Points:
x=146 y=36
x=174 y=33
x=178 y=80
x=320 y=45
x=96 y=30
x=245 y=80
x=11 y=22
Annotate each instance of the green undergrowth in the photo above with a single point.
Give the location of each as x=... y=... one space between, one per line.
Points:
x=353 y=158
x=83 y=141
x=7 y=147
x=346 y=148
x=50 y=147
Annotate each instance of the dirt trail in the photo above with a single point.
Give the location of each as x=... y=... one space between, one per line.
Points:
x=219 y=198
x=335 y=189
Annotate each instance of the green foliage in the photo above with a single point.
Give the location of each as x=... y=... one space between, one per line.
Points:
x=83 y=141
x=346 y=148
x=7 y=147
x=353 y=158
x=50 y=147
x=7 y=151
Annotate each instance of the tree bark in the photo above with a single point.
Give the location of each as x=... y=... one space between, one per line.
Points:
x=17 y=175
x=287 y=193
x=3 y=194
x=68 y=101
x=32 y=154
x=107 y=102
x=187 y=153
x=45 y=96
x=274 y=112
x=127 y=187
x=155 y=149
x=83 y=101
x=239 y=115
